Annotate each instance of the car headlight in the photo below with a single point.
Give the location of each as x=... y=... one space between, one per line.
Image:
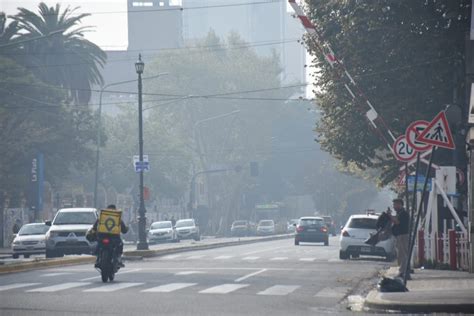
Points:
x=17 y=242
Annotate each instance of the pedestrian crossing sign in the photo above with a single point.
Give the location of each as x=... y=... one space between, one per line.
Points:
x=437 y=133
x=109 y=222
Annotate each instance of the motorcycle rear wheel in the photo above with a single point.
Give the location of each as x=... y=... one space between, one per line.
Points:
x=104 y=266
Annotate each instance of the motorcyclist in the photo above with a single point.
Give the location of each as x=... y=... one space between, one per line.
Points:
x=113 y=238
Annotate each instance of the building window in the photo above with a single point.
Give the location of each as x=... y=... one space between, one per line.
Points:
x=142 y=4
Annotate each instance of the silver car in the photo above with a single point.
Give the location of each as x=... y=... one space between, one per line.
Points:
x=30 y=240
x=162 y=231
x=67 y=234
x=266 y=227
x=187 y=229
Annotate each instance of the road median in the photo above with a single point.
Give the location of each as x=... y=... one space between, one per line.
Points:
x=41 y=263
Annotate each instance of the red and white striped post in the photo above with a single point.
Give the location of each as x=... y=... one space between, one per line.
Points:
x=452 y=250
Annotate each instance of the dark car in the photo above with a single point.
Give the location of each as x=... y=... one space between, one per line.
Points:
x=331 y=226
x=311 y=229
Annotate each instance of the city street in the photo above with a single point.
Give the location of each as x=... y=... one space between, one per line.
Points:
x=264 y=278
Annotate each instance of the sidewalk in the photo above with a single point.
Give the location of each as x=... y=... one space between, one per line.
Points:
x=430 y=291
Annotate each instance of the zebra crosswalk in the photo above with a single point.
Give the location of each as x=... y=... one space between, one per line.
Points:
x=245 y=258
x=217 y=289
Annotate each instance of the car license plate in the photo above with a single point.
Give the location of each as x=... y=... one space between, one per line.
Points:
x=312 y=230
x=365 y=249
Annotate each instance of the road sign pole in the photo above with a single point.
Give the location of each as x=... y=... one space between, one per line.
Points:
x=407 y=194
x=414 y=201
x=411 y=242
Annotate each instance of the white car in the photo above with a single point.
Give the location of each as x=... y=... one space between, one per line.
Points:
x=356 y=231
x=266 y=227
x=162 y=231
x=187 y=229
x=30 y=240
x=67 y=234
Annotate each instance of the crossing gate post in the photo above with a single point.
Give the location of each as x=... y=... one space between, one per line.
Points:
x=452 y=250
x=421 y=247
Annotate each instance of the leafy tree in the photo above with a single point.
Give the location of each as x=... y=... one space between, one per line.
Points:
x=405 y=55
x=62 y=57
x=34 y=117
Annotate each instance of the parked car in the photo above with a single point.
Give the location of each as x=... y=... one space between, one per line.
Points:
x=291 y=226
x=30 y=240
x=67 y=234
x=240 y=228
x=330 y=225
x=266 y=227
x=311 y=229
x=357 y=229
x=162 y=231
x=187 y=229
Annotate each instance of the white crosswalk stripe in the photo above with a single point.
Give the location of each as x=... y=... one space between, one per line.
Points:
x=279 y=290
x=223 y=257
x=279 y=259
x=250 y=258
x=335 y=292
x=112 y=287
x=171 y=257
x=195 y=257
x=189 y=272
x=224 y=289
x=16 y=286
x=169 y=287
x=307 y=259
x=47 y=275
x=59 y=287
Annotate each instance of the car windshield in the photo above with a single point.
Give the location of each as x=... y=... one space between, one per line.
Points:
x=266 y=223
x=240 y=223
x=185 y=223
x=311 y=222
x=38 y=229
x=159 y=225
x=75 y=218
x=363 y=223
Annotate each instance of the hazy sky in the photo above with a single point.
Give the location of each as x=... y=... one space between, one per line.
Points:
x=109 y=17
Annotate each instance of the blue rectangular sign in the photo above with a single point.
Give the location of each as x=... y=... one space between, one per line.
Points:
x=419 y=184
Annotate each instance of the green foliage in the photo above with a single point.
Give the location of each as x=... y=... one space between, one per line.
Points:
x=35 y=118
x=404 y=55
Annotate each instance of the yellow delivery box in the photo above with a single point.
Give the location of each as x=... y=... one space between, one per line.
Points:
x=109 y=222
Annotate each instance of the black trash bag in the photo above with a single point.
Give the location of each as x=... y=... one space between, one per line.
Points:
x=384 y=230
x=391 y=285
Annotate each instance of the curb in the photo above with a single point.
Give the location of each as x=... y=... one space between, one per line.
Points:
x=49 y=263
x=374 y=301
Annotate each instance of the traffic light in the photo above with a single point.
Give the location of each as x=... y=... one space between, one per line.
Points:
x=254 y=168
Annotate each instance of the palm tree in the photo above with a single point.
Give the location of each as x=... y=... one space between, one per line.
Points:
x=7 y=33
x=63 y=57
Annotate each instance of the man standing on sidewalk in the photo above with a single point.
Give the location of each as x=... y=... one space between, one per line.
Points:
x=400 y=231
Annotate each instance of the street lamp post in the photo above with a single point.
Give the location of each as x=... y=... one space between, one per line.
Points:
x=142 y=243
x=99 y=127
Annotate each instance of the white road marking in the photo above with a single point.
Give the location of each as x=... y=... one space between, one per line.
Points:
x=121 y=272
x=195 y=257
x=250 y=275
x=16 y=286
x=59 y=287
x=111 y=287
x=189 y=272
x=264 y=250
x=307 y=259
x=279 y=290
x=279 y=258
x=250 y=258
x=171 y=257
x=169 y=287
x=55 y=274
x=223 y=257
x=223 y=289
x=335 y=292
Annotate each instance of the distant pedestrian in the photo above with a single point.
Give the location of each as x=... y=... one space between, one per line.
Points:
x=173 y=221
x=400 y=231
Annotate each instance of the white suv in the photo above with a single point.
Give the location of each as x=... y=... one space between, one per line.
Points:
x=187 y=229
x=67 y=234
x=354 y=234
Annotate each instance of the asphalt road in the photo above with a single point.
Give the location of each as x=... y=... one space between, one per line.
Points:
x=266 y=278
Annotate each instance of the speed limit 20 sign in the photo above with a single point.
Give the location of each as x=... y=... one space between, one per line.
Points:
x=402 y=149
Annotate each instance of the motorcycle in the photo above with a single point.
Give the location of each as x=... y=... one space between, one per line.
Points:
x=108 y=263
